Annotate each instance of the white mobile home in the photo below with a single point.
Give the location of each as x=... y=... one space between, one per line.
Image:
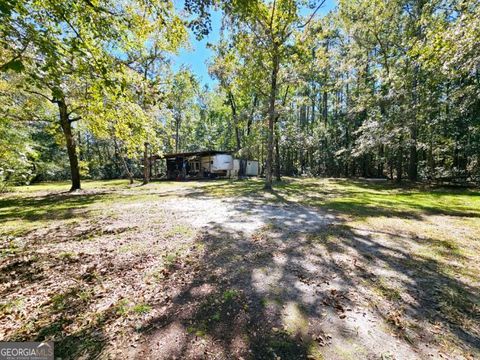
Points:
x=242 y=167
x=208 y=164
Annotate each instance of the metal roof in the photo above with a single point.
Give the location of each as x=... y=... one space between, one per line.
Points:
x=193 y=153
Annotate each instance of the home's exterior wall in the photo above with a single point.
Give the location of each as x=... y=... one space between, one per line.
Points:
x=222 y=162
x=217 y=165
x=252 y=168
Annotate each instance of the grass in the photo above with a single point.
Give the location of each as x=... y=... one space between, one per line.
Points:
x=295 y=322
x=127 y=308
x=443 y=222
x=24 y=208
x=383 y=288
x=136 y=247
x=230 y=294
x=427 y=234
x=179 y=230
x=141 y=309
x=8 y=307
x=359 y=198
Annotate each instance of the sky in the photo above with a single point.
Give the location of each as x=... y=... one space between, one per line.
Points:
x=196 y=58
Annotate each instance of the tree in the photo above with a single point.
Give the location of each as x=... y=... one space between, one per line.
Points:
x=62 y=48
x=270 y=26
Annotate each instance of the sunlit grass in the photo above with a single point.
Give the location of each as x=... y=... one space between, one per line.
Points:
x=365 y=199
x=357 y=198
x=35 y=206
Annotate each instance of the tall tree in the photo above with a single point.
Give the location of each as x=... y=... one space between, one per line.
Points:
x=270 y=25
x=61 y=47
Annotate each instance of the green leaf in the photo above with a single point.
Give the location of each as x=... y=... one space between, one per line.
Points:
x=15 y=65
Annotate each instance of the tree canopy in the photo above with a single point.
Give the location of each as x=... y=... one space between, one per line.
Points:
x=384 y=88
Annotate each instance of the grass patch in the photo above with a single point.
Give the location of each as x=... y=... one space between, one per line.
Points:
x=197 y=331
x=229 y=295
x=134 y=247
x=364 y=199
x=294 y=319
x=141 y=309
x=11 y=306
x=358 y=198
x=179 y=230
x=126 y=308
x=386 y=290
x=66 y=255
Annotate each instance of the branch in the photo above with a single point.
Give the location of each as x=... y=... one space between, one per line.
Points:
x=53 y=101
x=260 y=90
x=257 y=36
x=313 y=14
x=74 y=110
x=271 y=17
x=99 y=8
x=286 y=26
x=16 y=57
x=22 y=119
x=79 y=36
x=383 y=51
x=74 y=119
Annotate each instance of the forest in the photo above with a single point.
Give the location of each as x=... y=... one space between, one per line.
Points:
x=357 y=236
x=386 y=89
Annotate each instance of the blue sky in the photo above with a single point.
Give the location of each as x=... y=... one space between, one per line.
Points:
x=197 y=57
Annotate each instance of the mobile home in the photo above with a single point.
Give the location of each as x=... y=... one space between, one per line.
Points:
x=207 y=164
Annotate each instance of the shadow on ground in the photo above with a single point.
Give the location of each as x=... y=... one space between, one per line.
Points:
x=358 y=198
x=299 y=283
x=287 y=292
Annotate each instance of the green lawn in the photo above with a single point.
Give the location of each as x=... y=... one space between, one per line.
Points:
x=361 y=198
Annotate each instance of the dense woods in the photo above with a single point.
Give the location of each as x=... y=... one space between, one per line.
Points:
x=385 y=88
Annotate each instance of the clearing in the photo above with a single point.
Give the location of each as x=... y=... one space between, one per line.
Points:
x=320 y=269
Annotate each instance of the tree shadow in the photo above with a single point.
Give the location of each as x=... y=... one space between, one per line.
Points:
x=285 y=289
x=61 y=311
x=291 y=288
x=348 y=197
x=67 y=309
x=49 y=207
x=222 y=307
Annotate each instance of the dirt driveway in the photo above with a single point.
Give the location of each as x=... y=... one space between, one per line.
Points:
x=272 y=283
x=197 y=276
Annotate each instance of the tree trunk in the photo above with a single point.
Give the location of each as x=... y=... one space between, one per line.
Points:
x=381 y=153
x=146 y=167
x=127 y=170
x=177 y=130
x=277 y=155
x=431 y=160
x=400 y=162
x=235 y=119
x=413 y=161
x=271 y=120
x=124 y=162
x=250 y=118
x=325 y=107
x=325 y=92
x=277 y=140
x=71 y=145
